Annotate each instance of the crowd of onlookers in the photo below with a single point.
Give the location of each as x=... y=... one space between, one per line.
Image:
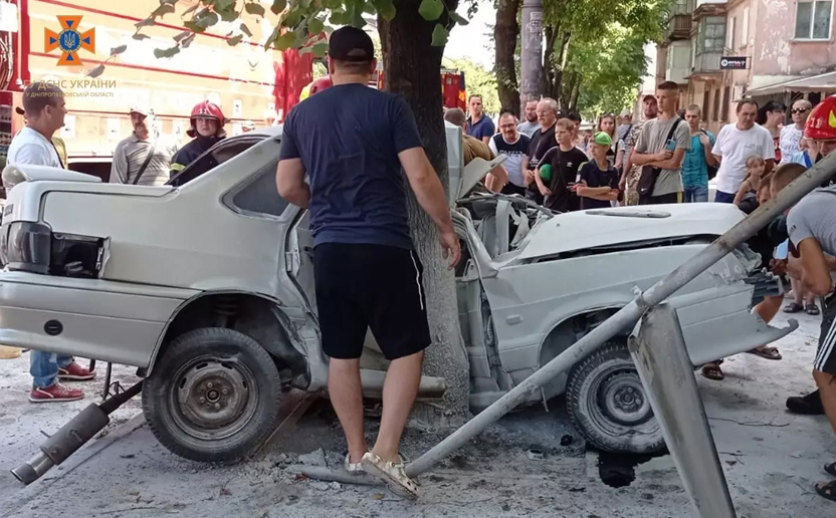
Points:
x=669 y=157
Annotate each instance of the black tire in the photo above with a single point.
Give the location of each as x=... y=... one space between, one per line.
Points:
x=185 y=404
x=608 y=405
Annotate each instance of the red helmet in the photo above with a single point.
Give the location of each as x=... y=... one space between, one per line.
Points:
x=207 y=110
x=821 y=125
x=321 y=84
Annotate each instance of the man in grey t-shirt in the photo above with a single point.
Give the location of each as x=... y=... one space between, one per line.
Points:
x=811 y=225
x=654 y=149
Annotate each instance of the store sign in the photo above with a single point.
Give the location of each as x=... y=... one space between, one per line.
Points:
x=733 y=63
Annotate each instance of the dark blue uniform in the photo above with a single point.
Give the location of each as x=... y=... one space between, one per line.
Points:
x=191 y=152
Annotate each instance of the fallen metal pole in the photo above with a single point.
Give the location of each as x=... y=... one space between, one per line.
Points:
x=659 y=348
x=630 y=314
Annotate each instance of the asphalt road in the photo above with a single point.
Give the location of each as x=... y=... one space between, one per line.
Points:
x=771 y=460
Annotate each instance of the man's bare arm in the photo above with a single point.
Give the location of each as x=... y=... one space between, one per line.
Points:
x=290 y=182
x=815 y=270
x=674 y=162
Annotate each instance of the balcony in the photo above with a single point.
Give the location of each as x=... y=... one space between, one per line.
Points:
x=678 y=28
x=706 y=64
x=709 y=8
x=678 y=62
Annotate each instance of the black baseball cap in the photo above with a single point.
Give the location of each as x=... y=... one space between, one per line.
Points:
x=350 y=44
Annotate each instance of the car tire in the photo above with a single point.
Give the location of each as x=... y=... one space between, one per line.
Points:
x=213 y=396
x=608 y=405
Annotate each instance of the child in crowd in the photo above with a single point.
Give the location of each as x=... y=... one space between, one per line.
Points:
x=597 y=179
x=755 y=168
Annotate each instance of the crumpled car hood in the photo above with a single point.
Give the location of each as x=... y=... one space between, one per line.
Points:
x=600 y=227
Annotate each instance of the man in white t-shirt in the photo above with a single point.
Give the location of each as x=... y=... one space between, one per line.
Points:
x=737 y=142
x=45 y=109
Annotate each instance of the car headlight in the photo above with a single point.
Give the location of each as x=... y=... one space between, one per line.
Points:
x=26 y=246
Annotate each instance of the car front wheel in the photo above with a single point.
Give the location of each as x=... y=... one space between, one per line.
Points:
x=608 y=405
x=213 y=396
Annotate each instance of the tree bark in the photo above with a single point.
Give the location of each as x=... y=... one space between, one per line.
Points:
x=413 y=70
x=553 y=72
x=505 y=34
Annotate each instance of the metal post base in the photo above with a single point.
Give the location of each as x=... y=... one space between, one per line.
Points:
x=661 y=358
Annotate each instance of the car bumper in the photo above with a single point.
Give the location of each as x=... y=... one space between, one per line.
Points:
x=93 y=318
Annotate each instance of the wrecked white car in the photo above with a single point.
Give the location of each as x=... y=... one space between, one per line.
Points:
x=206 y=285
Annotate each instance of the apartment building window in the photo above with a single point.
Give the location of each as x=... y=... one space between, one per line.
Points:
x=706 y=102
x=744 y=29
x=813 y=20
x=730 y=33
x=711 y=35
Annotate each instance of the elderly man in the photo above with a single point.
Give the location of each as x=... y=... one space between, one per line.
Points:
x=626 y=125
x=514 y=145
x=542 y=141
x=142 y=158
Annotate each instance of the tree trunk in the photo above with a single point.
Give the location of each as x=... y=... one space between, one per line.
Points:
x=413 y=70
x=505 y=34
x=553 y=72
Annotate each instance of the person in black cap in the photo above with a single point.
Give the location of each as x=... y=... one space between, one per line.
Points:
x=352 y=141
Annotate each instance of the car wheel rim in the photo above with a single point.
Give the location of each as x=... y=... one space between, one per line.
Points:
x=624 y=400
x=213 y=398
x=625 y=419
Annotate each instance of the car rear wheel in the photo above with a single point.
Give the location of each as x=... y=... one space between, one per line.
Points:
x=608 y=405
x=213 y=396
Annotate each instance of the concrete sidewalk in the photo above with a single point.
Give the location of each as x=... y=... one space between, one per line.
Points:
x=771 y=459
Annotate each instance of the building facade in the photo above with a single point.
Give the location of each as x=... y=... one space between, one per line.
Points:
x=720 y=52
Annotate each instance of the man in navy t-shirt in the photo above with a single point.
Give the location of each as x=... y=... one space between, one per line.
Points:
x=352 y=141
x=479 y=125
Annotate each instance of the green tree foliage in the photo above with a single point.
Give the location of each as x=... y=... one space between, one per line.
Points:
x=594 y=55
x=478 y=80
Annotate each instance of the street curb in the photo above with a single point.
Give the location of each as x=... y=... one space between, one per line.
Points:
x=81 y=457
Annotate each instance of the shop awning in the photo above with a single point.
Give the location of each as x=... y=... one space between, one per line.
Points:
x=818 y=83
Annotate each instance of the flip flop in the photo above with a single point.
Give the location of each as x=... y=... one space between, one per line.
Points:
x=768 y=353
x=793 y=307
x=812 y=309
x=830 y=469
x=713 y=372
x=827 y=490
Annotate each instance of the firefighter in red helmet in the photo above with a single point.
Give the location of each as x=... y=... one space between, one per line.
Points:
x=317 y=85
x=207 y=128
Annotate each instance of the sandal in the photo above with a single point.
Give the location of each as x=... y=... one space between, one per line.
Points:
x=793 y=307
x=353 y=468
x=768 y=353
x=812 y=309
x=393 y=474
x=827 y=490
x=712 y=371
x=830 y=469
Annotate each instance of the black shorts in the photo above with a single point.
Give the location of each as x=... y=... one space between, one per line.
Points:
x=826 y=354
x=360 y=286
x=665 y=199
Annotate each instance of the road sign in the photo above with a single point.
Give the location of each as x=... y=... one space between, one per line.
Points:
x=733 y=63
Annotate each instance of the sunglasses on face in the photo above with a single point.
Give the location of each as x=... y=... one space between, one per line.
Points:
x=799 y=110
